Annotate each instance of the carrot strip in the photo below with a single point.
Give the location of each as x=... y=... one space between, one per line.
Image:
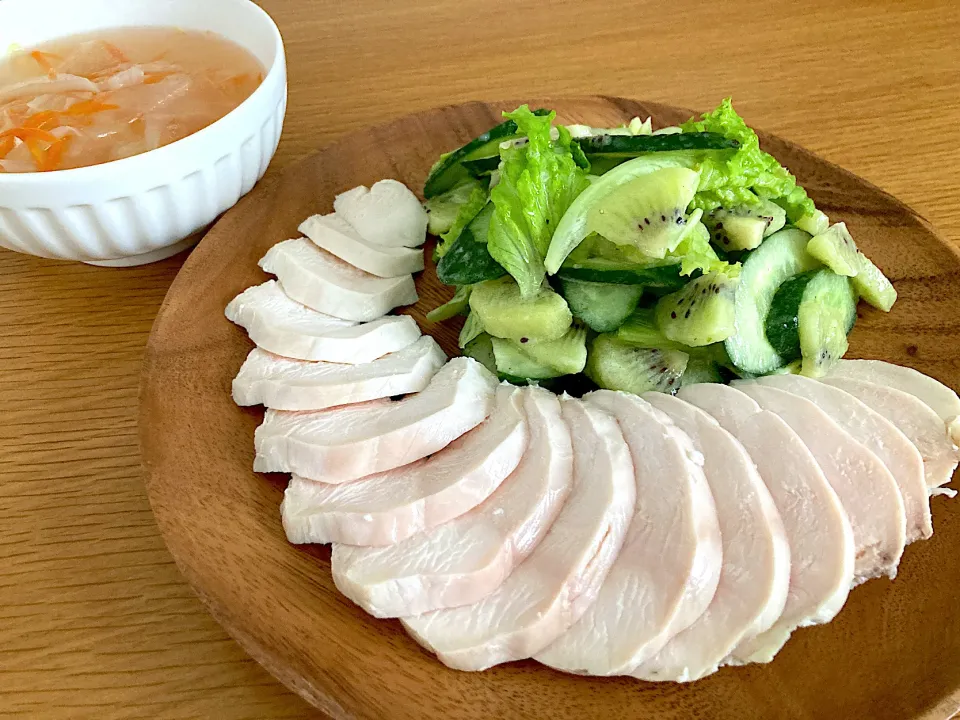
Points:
x=115 y=52
x=43 y=120
x=154 y=77
x=38 y=153
x=29 y=134
x=43 y=60
x=53 y=158
x=89 y=107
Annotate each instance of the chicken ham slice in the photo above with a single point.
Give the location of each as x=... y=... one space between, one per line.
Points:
x=817 y=527
x=336 y=236
x=285 y=384
x=878 y=435
x=865 y=487
x=342 y=444
x=387 y=213
x=669 y=565
x=555 y=585
x=394 y=505
x=915 y=419
x=469 y=557
x=941 y=399
x=755 y=575
x=284 y=327
x=324 y=282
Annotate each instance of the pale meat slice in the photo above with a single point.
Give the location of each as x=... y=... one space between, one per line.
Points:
x=342 y=444
x=284 y=327
x=755 y=576
x=878 y=435
x=941 y=399
x=387 y=213
x=284 y=384
x=336 y=236
x=394 y=505
x=915 y=419
x=669 y=565
x=817 y=527
x=324 y=282
x=865 y=487
x=552 y=588
x=469 y=557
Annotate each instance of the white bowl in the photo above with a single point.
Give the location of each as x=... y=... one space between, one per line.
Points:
x=144 y=208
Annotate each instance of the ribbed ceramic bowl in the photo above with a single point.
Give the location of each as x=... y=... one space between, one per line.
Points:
x=144 y=208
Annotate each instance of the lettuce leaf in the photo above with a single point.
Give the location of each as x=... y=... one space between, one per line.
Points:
x=538 y=181
x=750 y=173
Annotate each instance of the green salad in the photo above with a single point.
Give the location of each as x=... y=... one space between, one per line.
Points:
x=641 y=259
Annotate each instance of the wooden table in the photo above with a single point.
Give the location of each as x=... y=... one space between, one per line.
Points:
x=95 y=620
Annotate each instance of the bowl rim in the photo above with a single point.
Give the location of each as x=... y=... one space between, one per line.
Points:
x=96 y=172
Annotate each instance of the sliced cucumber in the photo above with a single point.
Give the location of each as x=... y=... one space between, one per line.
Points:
x=481 y=350
x=781 y=256
x=810 y=317
x=573 y=226
x=457 y=305
x=616 y=365
x=449 y=170
x=628 y=146
x=700 y=370
x=504 y=314
x=468 y=261
x=442 y=210
x=600 y=270
x=602 y=306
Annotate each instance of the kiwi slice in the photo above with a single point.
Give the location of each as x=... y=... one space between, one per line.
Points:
x=701 y=370
x=534 y=360
x=701 y=313
x=504 y=314
x=813 y=223
x=745 y=227
x=616 y=365
x=648 y=212
x=835 y=249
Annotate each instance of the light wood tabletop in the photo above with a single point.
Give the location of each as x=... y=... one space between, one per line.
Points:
x=95 y=619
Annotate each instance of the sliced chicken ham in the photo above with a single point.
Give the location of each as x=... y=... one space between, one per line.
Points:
x=916 y=420
x=941 y=399
x=755 y=575
x=342 y=444
x=467 y=558
x=866 y=489
x=560 y=579
x=386 y=214
x=878 y=435
x=324 y=282
x=669 y=565
x=394 y=505
x=285 y=384
x=336 y=236
x=817 y=527
x=284 y=327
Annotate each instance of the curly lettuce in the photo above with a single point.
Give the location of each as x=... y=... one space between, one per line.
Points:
x=539 y=180
x=746 y=176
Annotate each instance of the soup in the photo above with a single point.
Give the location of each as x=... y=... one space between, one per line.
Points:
x=91 y=99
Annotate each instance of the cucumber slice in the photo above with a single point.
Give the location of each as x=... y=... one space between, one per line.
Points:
x=602 y=306
x=701 y=313
x=457 y=305
x=468 y=261
x=700 y=370
x=504 y=314
x=442 y=210
x=810 y=317
x=781 y=256
x=601 y=270
x=481 y=350
x=628 y=146
x=616 y=365
x=573 y=226
x=835 y=249
x=449 y=170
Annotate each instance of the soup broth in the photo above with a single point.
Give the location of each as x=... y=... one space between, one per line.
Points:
x=91 y=99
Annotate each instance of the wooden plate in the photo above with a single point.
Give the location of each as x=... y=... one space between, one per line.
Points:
x=893 y=652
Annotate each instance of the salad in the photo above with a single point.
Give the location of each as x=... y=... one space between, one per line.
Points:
x=641 y=259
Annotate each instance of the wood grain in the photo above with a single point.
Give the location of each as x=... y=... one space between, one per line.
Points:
x=95 y=620
x=220 y=520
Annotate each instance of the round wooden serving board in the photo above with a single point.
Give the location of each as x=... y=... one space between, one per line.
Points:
x=893 y=652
